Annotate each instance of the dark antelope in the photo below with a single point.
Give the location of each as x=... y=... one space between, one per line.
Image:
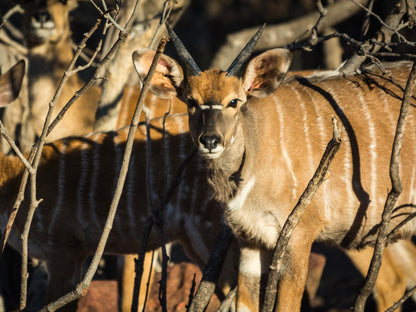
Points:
x=76 y=180
x=263 y=137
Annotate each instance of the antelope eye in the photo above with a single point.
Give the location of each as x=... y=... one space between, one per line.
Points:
x=233 y=103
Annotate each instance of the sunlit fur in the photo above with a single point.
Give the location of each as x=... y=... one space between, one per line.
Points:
x=283 y=136
x=272 y=145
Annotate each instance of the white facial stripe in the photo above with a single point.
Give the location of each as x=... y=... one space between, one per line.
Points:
x=206 y=107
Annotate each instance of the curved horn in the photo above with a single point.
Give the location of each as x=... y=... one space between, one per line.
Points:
x=190 y=66
x=244 y=54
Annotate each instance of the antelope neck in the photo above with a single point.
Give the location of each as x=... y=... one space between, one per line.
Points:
x=225 y=172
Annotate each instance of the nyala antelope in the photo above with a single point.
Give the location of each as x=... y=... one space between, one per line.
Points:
x=262 y=138
x=47 y=34
x=83 y=172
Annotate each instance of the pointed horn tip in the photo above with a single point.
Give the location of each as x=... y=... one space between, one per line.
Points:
x=245 y=52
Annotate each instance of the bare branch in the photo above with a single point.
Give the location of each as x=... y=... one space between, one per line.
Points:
x=389 y=27
x=402 y=300
x=228 y=301
x=212 y=271
x=13 y=145
x=392 y=196
x=296 y=214
x=283 y=34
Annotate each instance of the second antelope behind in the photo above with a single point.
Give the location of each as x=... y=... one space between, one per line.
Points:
x=262 y=139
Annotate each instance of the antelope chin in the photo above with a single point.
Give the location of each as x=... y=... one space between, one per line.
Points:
x=213 y=154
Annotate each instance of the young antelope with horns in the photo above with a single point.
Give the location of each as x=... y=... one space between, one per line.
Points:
x=262 y=139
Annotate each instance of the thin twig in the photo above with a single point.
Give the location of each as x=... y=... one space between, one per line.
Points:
x=16 y=149
x=396 y=306
x=69 y=71
x=15 y=9
x=82 y=46
x=139 y=264
x=394 y=193
x=227 y=302
x=296 y=214
x=191 y=293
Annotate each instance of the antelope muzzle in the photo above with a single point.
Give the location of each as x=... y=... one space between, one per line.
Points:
x=210 y=140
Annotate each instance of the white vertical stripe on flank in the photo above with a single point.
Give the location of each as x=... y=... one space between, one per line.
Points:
x=95 y=158
x=388 y=111
x=318 y=120
x=82 y=183
x=283 y=148
x=61 y=187
x=301 y=103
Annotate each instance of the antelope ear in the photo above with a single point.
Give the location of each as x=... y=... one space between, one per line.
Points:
x=167 y=77
x=265 y=73
x=11 y=83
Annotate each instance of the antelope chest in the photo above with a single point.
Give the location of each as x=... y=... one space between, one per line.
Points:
x=251 y=218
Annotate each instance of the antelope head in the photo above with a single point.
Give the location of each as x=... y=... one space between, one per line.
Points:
x=215 y=98
x=46 y=20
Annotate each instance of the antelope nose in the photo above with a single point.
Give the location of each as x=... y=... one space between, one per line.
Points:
x=210 y=141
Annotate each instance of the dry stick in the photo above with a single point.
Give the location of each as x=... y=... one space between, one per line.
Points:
x=411 y=12
x=296 y=214
x=366 y=23
x=191 y=293
x=148 y=283
x=14 y=147
x=104 y=62
x=70 y=71
x=212 y=271
x=385 y=34
x=15 y=9
x=399 y=303
x=284 y=33
x=139 y=263
x=392 y=196
x=82 y=287
x=229 y=299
